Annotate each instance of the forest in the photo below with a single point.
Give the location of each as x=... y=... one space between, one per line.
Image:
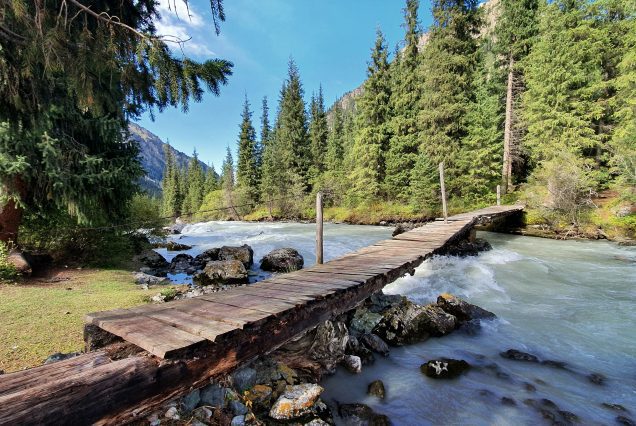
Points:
x=535 y=96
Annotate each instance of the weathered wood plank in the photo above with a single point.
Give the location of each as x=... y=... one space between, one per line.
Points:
x=152 y=335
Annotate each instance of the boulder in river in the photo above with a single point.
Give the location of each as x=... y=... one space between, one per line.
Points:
x=375 y=343
x=174 y=246
x=152 y=259
x=444 y=368
x=296 y=401
x=467 y=248
x=182 y=263
x=222 y=272
x=461 y=309
x=243 y=253
x=364 y=321
x=361 y=414
x=207 y=256
x=282 y=260
x=352 y=363
x=376 y=388
x=409 y=322
x=517 y=355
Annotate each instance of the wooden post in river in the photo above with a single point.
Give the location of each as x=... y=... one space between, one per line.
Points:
x=319 y=228
x=443 y=188
x=498 y=195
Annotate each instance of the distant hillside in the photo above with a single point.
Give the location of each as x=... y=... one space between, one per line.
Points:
x=153 y=158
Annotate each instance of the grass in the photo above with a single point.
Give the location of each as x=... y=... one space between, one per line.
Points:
x=38 y=319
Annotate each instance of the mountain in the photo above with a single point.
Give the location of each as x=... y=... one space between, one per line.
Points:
x=153 y=159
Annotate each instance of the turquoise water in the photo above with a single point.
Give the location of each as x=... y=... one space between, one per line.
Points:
x=567 y=301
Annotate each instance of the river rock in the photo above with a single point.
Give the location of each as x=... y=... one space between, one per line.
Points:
x=364 y=321
x=376 y=388
x=207 y=256
x=375 y=343
x=152 y=259
x=282 y=260
x=238 y=421
x=172 y=414
x=444 y=368
x=597 y=378
x=59 y=356
x=625 y=421
x=213 y=395
x=175 y=246
x=260 y=397
x=517 y=355
x=379 y=302
x=401 y=228
x=222 y=272
x=295 y=402
x=244 y=254
x=244 y=379
x=467 y=248
x=147 y=279
x=191 y=400
x=409 y=323
x=325 y=344
x=614 y=407
x=181 y=263
x=461 y=309
x=352 y=363
x=354 y=347
x=361 y=415
x=238 y=408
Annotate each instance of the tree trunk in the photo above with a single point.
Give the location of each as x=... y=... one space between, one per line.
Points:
x=506 y=174
x=11 y=212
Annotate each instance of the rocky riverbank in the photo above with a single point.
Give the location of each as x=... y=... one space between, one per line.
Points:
x=284 y=386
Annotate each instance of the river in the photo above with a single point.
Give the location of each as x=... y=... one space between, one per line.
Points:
x=567 y=301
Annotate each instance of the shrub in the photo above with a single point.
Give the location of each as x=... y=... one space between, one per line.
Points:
x=8 y=272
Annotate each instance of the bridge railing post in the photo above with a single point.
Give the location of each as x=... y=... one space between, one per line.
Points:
x=498 y=195
x=443 y=190
x=319 y=228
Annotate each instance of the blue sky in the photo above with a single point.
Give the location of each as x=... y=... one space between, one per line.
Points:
x=330 y=40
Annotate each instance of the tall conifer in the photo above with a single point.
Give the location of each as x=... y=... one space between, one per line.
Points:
x=372 y=133
x=247 y=167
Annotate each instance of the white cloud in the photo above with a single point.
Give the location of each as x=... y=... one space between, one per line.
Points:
x=181 y=21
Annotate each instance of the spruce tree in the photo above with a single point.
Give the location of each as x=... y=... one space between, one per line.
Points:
x=334 y=160
x=563 y=75
x=247 y=167
x=515 y=32
x=211 y=180
x=402 y=152
x=169 y=183
x=448 y=64
x=318 y=132
x=482 y=148
x=292 y=140
x=372 y=133
x=194 y=187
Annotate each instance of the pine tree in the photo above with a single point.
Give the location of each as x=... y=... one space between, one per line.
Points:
x=169 y=184
x=405 y=96
x=228 y=182
x=447 y=70
x=318 y=132
x=372 y=136
x=271 y=172
x=247 y=167
x=563 y=77
x=292 y=140
x=211 y=180
x=194 y=186
x=334 y=160
x=515 y=32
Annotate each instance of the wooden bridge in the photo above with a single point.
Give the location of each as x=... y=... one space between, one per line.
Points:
x=174 y=347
